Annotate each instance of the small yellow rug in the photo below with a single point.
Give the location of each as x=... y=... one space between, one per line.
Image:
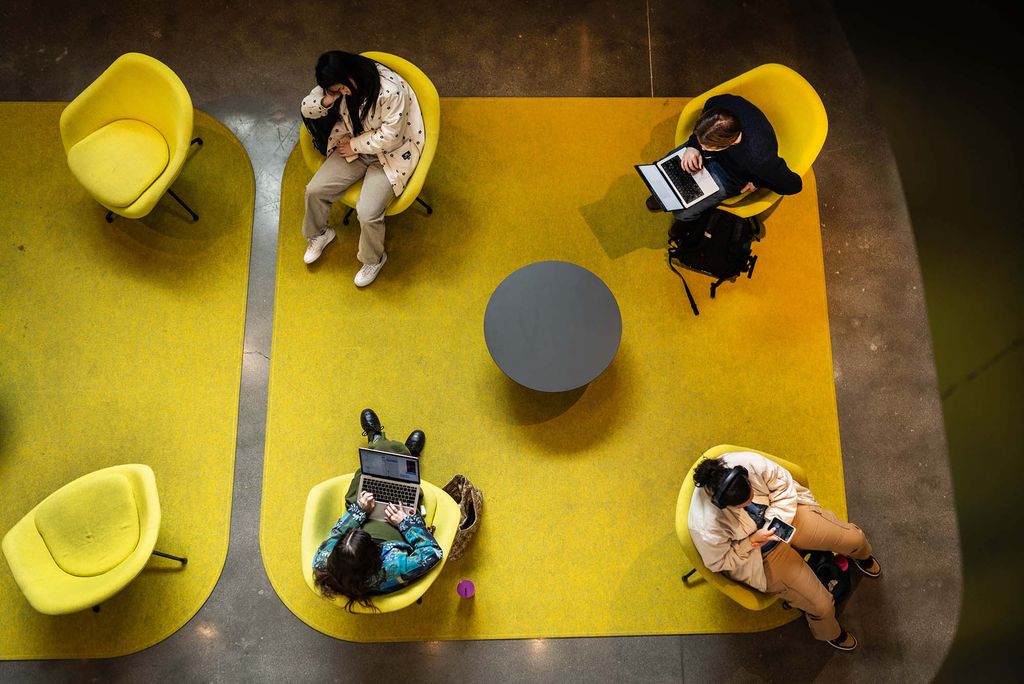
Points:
x=577 y=535
x=120 y=343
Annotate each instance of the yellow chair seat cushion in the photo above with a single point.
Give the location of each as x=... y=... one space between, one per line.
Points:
x=90 y=526
x=118 y=162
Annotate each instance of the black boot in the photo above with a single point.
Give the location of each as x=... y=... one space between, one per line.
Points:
x=415 y=442
x=371 y=425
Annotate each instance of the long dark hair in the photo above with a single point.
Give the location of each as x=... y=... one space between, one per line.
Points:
x=350 y=567
x=347 y=69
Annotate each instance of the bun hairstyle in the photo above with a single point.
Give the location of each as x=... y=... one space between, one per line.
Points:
x=726 y=486
x=350 y=568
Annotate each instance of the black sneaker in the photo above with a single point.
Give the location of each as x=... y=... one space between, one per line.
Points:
x=844 y=642
x=869 y=566
x=415 y=442
x=371 y=425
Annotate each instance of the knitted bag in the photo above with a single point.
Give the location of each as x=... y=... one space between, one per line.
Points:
x=471 y=502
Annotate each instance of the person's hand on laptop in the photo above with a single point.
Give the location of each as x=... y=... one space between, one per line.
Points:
x=395 y=514
x=366 y=501
x=691 y=161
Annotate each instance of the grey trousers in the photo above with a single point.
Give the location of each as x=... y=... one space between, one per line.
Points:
x=332 y=179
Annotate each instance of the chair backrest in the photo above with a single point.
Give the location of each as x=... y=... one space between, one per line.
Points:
x=791 y=104
x=51 y=590
x=430 y=107
x=741 y=593
x=134 y=86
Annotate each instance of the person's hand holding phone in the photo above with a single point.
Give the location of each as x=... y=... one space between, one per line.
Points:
x=761 y=537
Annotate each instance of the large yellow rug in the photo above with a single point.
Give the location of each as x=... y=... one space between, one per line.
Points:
x=120 y=343
x=577 y=535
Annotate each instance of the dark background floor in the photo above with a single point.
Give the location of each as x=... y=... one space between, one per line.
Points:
x=936 y=86
x=944 y=84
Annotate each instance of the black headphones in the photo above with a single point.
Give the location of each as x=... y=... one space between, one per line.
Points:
x=734 y=473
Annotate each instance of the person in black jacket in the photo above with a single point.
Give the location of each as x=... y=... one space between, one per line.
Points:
x=735 y=142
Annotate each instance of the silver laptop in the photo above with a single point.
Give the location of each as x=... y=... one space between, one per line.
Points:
x=391 y=478
x=674 y=187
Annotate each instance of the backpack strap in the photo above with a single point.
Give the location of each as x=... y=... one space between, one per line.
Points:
x=693 y=304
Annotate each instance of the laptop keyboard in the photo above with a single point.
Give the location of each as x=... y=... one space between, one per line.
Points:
x=386 y=492
x=682 y=181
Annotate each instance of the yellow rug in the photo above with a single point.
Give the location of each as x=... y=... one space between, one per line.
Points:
x=577 y=535
x=120 y=343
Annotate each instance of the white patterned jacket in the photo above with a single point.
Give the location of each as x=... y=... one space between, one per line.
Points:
x=393 y=130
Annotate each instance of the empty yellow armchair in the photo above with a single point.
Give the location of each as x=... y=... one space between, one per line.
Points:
x=794 y=110
x=86 y=541
x=430 y=106
x=742 y=594
x=128 y=134
x=326 y=504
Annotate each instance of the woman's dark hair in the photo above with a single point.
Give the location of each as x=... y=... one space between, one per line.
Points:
x=350 y=567
x=709 y=474
x=717 y=127
x=352 y=71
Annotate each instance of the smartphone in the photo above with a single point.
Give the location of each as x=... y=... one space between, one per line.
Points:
x=780 y=529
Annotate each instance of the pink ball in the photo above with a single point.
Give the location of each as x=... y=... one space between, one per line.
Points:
x=842 y=562
x=465 y=589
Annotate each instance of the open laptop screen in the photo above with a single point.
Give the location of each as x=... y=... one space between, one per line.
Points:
x=390 y=466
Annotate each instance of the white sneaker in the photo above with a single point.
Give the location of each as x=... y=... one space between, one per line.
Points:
x=317 y=244
x=368 y=273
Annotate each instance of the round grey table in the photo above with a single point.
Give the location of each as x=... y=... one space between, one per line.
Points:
x=552 y=326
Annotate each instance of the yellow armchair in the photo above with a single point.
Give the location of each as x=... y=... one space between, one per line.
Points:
x=127 y=135
x=326 y=503
x=793 y=108
x=430 y=106
x=737 y=591
x=86 y=541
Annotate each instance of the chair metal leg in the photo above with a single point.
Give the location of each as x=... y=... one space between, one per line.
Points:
x=429 y=210
x=195 y=216
x=347 y=214
x=183 y=561
x=688 y=575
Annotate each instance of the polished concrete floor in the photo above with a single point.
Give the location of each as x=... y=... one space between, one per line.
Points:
x=249 y=64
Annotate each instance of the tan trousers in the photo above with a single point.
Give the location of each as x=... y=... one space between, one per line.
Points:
x=332 y=179
x=792 y=579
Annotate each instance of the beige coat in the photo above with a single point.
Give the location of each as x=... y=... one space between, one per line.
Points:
x=721 y=535
x=393 y=130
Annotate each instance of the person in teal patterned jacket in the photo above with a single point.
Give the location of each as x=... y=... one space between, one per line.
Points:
x=362 y=558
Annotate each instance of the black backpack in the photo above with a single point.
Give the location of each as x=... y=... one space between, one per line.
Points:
x=835 y=579
x=717 y=244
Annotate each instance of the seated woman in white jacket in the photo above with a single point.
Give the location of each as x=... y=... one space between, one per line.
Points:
x=737 y=494
x=378 y=137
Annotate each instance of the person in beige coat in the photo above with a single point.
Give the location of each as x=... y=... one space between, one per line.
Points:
x=736 y=496
x=378 y=137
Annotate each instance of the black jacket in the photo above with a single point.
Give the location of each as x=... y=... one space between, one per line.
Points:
x=756 y=157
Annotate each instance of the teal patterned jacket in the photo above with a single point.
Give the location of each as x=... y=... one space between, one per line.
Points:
x=403 y=562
